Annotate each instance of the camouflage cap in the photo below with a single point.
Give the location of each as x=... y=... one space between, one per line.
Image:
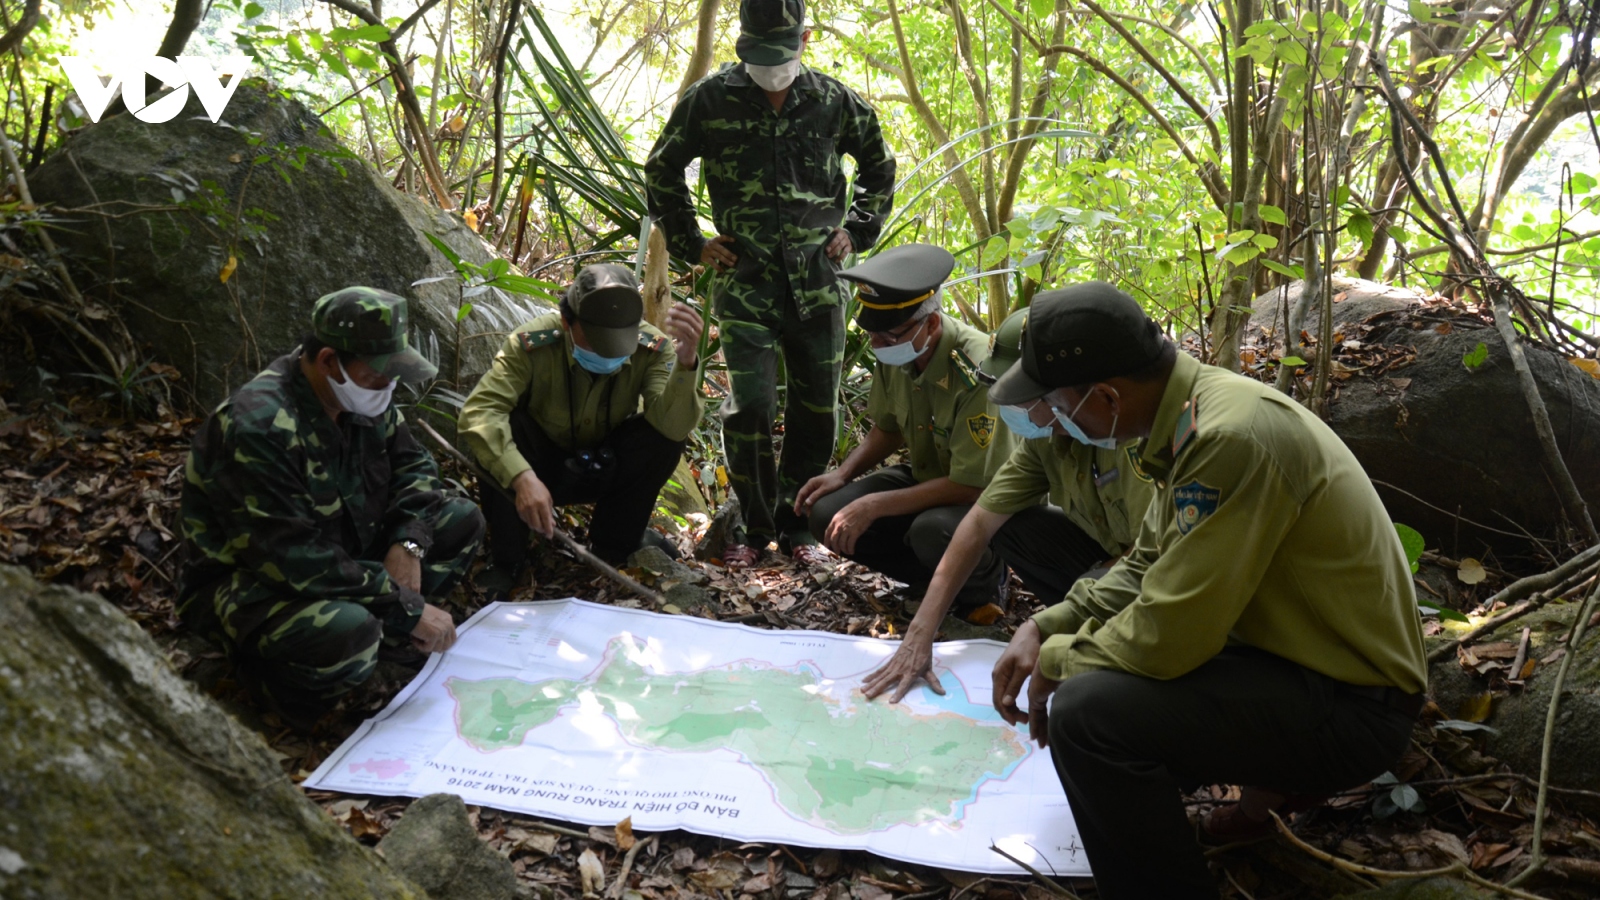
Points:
x=605 y=298
x=770 y=31
x=370 y=323
x=1076 y=336
x=1005 y=346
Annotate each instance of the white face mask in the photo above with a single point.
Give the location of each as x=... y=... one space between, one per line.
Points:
x=774 y=78
x=904 y=353
x=361 y=400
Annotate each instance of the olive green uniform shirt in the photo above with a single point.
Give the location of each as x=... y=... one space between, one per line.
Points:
x=1264 y=531
x=1104 y=492
x=576 y=408
x=943 y=413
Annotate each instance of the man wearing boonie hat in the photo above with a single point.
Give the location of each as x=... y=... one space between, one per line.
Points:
x=316 y=525
x=771 y=135
x=590 y=404
x=1056 y=511
x=1263 y=631
x=926 y=397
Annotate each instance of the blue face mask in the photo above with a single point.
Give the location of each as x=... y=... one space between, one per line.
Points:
x=1016 y=419
x=1076 y=433
x=594 y=362
x=904 y=353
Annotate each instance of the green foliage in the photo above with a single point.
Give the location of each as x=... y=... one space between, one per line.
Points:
x=1411 y=540
x=1476 y=357
x=1398 y=798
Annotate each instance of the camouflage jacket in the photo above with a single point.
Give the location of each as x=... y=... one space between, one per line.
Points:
x=777 y=185
x=273 y=486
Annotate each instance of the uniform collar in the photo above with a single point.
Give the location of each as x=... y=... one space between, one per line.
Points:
x=938 y=371
x=1155 y=451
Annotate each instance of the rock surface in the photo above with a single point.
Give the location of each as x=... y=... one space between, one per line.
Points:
x=435 y=845
x=1425 y=889
x=1453 y=437
x=121 y=780
x=308 y=219
x=1518 y=717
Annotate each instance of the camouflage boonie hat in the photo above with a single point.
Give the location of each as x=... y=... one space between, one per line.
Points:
x=370 y=323
x=770 y=31
x=605 y=298
x=1005 y=346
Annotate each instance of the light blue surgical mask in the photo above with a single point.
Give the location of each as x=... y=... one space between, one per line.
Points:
x=1016 y=419
x=594 y=362
x=1076 y=433
x=902 y=354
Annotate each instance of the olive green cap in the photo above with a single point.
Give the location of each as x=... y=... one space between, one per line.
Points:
x=1005 y=346
x=605 y=298
x=1079 y=335
x=371 y=323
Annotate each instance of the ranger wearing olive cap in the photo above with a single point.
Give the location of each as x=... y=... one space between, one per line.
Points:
x=590 y=404
x=927 y=397
x=315 y=524
x=1056 y=511
x=1263 y=630
x=771 y=135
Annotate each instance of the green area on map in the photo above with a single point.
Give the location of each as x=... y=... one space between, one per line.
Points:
x=849 y=766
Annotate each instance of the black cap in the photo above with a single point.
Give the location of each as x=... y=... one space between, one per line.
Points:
x=605 y=298
x=894 y=284
x=1079 y=335
x=770 y=31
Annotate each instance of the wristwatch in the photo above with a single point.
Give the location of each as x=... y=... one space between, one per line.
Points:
x=413 y=548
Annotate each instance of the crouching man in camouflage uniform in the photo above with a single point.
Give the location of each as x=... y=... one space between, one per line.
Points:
x=315 y=523
x=587 y=405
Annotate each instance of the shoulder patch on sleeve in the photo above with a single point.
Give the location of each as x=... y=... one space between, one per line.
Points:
x=981 y=427
x=1194 y=503
x=652 y=342
x=1188 y=424
x=964 y=367
x=533 y=340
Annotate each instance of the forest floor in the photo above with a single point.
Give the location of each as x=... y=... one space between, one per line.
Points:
x=90 y=500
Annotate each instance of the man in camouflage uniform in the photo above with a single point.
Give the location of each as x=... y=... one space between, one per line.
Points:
x=586 y=405
x=315 y=524
x=927 y=397
x=1096 y=498
x=771 y=134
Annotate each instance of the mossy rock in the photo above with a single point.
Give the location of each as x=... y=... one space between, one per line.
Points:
x=301 y=216
x=121 y=780
x=1425 y=889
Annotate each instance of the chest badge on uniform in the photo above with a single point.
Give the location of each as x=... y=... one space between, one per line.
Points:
x=981 y=427
x=1194 y=503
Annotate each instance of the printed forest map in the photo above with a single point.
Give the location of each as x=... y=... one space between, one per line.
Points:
x=593 y=713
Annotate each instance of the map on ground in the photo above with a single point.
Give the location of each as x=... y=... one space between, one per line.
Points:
x=589 y=713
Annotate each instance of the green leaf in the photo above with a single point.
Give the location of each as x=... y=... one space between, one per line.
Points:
x=1294 y=361
x=995 y=250
x=1360 y=225
x=1291 y=52
x=1411 y=540
x=1270 y=213
x=1286 y=271
x=375 y=33
x=1476 y=357
x=1582 y=183
x=1240 y=236
x=1041 y=8
x=463 y=312
x=442 y=247
x=1264 y=241
x=251 y=10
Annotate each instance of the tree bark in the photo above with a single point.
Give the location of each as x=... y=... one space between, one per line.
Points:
x=15 y=34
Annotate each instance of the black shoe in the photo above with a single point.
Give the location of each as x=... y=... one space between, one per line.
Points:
x=654 y=538
x=496 y=581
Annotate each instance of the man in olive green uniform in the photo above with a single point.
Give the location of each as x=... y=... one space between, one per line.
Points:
x=1263 y=630
x=1096 y=499
x=586 y=405
x=927 y=397
x=771 y=135
x=315 y=526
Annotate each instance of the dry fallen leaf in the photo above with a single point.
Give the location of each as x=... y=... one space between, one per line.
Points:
x=228 y=267
x=1476 y=708
x=625 y=839
x=1471 y=571
x=591 y=874
x=1591 y=366
x=986 y=614
x=455 y=124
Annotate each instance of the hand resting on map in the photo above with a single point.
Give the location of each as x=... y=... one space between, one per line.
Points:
x=911 y=662
x=1020 y=661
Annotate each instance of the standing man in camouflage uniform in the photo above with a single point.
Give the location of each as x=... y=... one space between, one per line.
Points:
x=315 y=524
x=771 y=134
x=1057 y=510
x=590 y=404
x=927 y=397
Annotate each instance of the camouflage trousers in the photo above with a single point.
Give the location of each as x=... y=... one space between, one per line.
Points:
x=813 y=352
x=305 y=649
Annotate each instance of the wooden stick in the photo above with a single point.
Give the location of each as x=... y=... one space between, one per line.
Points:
x=561 y=537
x=617 y=886
x=1044 y=882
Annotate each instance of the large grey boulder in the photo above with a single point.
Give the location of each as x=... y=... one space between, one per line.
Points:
x=302 y=217
x=1456 y=439
x=121 y=780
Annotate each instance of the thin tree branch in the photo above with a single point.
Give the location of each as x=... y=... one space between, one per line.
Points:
x=1172 y=81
